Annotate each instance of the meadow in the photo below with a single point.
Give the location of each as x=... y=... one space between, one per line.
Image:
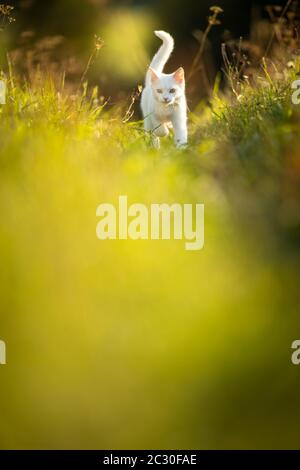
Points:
x=141 y=344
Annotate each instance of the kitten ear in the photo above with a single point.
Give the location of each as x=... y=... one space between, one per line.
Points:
x=179 y=75
x=153 y=75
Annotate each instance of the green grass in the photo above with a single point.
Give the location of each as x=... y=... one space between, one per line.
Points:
x=142 y=344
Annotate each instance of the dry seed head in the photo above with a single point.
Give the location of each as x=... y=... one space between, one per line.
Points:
x=99 y=43
x=5 y=11
x=216 y=9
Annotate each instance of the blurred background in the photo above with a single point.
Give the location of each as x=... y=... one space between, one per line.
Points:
x=59 y=35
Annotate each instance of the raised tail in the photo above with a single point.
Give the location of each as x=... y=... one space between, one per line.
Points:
x=161 y=57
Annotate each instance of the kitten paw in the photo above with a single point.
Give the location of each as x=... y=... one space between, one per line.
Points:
x=181 y=145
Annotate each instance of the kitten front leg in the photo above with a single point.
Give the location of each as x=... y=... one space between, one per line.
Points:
x=158 y=130
x=149 y=126
x=179 y=122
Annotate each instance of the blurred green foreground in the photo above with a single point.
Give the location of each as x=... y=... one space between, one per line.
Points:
x=143 y=344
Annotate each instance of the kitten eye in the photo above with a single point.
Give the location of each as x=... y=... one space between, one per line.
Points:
x=159 y=91
x=172 y=90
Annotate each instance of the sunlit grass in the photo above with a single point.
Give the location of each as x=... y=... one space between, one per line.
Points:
x=142 y=344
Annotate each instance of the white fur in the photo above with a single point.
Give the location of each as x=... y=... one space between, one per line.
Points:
x=163 y=99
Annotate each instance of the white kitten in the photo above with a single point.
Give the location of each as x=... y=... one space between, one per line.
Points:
x=163 y=99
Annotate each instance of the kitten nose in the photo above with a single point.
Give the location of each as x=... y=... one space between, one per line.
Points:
x=167 y=100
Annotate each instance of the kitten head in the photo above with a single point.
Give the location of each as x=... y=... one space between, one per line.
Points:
x=167 y=88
